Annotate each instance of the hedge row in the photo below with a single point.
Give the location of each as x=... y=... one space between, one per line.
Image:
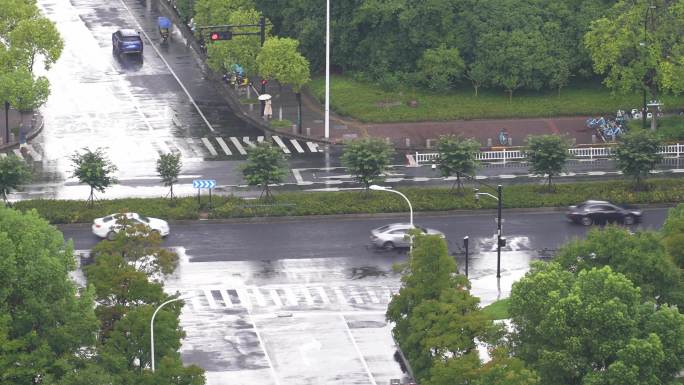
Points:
x=352 y=202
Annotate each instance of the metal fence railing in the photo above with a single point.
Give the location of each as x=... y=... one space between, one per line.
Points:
x=515 y=154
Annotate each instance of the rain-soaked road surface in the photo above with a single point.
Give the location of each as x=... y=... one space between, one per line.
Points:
x=302 y=301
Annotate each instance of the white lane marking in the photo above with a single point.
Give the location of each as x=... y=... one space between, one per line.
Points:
x=276 y=298
x=34 y=154
x=291 y=297
x=506 y=176
x=263 y=348
x=280 y=144
x=163 y=147
x=210 y=299
x=313 y=147
x=596 y=173
x=224 y=146
x=209 y=147
x=238 y=145
x=248 y=141
x=261 y=301
x=226 y=298
x=140 y=28
x=358 y=351
x=356 y=297
x=297 y=176
x=296 y=145
x=324 y=296
x=244 y=298
x=677 y=170
x=260 y=139
x=372 y=296
x=339 y=294
x=307 y=296
x=18 y=153
x=196 y=303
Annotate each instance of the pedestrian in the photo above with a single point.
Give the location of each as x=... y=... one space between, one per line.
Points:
x=503 y=137
x=268 y=110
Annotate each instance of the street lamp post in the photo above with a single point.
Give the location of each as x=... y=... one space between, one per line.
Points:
x=499 y=240
x=326 y=134
x=382 y=188
x=152 y=327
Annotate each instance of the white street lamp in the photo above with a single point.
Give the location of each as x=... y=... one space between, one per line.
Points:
x=327 y=69
x=381 y=188
x=152 y=326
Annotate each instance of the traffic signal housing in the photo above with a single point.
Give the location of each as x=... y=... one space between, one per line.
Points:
x=220 y=35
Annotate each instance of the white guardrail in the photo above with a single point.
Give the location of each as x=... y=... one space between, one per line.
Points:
x=587 y=153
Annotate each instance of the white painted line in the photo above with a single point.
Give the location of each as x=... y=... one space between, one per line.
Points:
x=34 y=154
x=297 y=176
x=307 y=296
x=226 y=298
x=340 y=295
x=506 y=176
x=238 y=145
x=677 y=170
x=163 y=147
x=596 y=173
x=392 y=180
x=358 y=351
x=313 y=147
x=372 y=296
x=196 y=303
x=140 y=28
x=224 y=146
x=263 y=348
x=210 y=299
x=17 y=153
x=209 y=147
x=296 y=145
x=356 y=297
x=248 y=142
x=420 y=179
x=276 y=298
x=291 y=297
x=280 y=144
x=260 y=139
x=261 y=301
x=321 y=292
x=244 y=298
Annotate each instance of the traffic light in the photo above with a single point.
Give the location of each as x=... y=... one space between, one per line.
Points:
x=220 y=35
x=264 y=82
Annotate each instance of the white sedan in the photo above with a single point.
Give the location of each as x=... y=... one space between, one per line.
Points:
x=107 y=227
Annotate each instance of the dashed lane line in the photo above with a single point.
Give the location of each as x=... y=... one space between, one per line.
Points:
x=280 y=144
x=224 y=146
x=313 y=147
x=297 y=146
x=209 y=147
x=238 y=145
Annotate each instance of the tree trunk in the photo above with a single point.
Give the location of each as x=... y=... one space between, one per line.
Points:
x=171 y=190
x=299 y=112
x=549 y=182
x=90 y=198
x=477 y=87
x=458 y=180
x=510 y=96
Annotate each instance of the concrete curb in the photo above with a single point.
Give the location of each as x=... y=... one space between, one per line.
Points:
x=32 y=134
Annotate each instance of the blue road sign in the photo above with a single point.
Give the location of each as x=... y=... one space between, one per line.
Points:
x=204 y=183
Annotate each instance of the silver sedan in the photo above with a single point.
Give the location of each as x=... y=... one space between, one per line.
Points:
x=396 y=235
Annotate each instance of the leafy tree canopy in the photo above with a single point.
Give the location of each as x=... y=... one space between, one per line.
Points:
x=547 y=155
x=280 y=59
x=94 y=169
x=367 y=159
x=13 y=173
x=637 y=154
x=265 y=166
x=457 y=156
x=169 y=167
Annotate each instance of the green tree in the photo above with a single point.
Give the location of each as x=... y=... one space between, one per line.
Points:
x=14 y=172
x=641 y=257
x=638 y=46
x=265 y=166
x=477 y=74
x=587 y=328
x=94 y=169
x=35 y=37
x=279 y=59
x=457 y=156
x=44 y=323
x=367 y=159
x=441 y=67
x=218 y=12
x=503 y=369
x=23 y=90
x=169 y=167
x=637 y=154
x=673 y=234
x=546 y=155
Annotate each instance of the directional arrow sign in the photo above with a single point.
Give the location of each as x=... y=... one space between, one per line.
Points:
x=204 y=183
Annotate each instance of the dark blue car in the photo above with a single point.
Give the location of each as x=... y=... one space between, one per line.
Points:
x=127 y=41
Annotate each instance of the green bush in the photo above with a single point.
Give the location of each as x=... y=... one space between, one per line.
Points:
x=661 y=190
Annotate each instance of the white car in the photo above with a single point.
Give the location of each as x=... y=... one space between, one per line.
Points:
x=396 y=235
x=107 y=227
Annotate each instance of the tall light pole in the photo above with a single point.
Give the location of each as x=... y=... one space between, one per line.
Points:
x=152 y=327
x=499 y=241
x=327 y=69
x=644 y=44
x=382 y=188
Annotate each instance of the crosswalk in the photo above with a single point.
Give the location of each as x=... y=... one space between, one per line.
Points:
x=287 y=296
x=205 y=147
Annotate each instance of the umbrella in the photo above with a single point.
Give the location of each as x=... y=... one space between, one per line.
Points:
x=264 y=97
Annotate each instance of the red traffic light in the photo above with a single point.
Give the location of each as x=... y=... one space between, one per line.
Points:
x=214 y=36
x=220 y=35
x=264 y=81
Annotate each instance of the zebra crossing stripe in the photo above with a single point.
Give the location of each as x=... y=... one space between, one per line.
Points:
x=238 y=145
x=260 y=139
x=163 y=147
x=280 y=144
x=324 y=296
x=291 y=297
x=244 y=298
x=372 y=296
x=209 y=147
x=276 y=298
x=224 y=146
x=356 y=297
x=296 y=145
x=196 y=303
x=313 y=147
x=340 y=295
x=210 y=299
x=248 y=142
x=307 y=296
x=261 y=301
x=226 y=298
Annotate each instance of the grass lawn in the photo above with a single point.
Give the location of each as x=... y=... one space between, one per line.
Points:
x=498 y=310
x=369 y=103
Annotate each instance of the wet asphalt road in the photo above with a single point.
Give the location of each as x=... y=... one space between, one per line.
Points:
x=208 y=241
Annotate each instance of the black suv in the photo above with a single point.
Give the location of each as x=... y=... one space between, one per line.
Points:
x=596 y=212
x=127 y=41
